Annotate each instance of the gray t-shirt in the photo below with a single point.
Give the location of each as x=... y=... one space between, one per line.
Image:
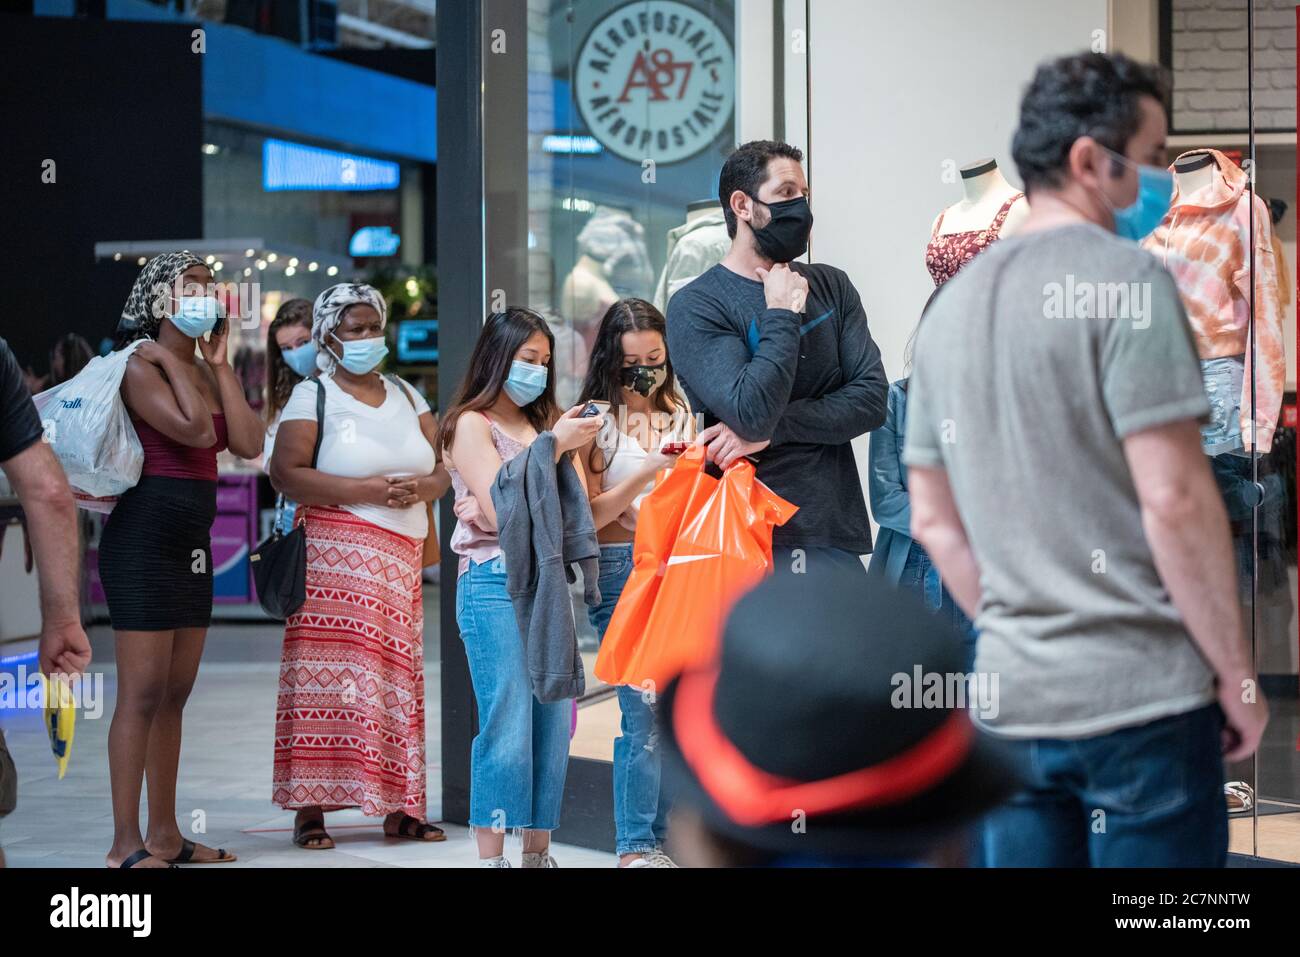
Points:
x=1031 y=366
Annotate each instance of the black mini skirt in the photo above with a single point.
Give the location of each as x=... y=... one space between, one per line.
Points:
x=155 y=555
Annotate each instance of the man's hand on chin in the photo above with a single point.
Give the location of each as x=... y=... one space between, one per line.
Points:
x=723 y=446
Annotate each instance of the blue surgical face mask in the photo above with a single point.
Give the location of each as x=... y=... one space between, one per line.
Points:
x=526 y=382
x=1155 y=193
x=302 y=360
x=196 y=315
x=361 y=355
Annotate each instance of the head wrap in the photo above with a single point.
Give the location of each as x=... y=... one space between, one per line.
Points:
x=327 y=312
x=147 y=305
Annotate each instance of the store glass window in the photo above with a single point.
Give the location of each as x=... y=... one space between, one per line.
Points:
x=930 y=131
x=628 y=114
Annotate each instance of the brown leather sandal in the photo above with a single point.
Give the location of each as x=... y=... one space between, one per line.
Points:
x=413 y=830
x=312 y=830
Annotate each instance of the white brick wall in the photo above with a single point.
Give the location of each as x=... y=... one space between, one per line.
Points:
x=1210 y=74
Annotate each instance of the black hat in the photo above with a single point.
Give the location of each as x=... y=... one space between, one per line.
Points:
x=809 y=734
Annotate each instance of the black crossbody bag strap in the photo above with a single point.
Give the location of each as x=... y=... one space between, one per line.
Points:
x=320 y=420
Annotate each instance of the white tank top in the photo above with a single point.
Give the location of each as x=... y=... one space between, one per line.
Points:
x=618 y=467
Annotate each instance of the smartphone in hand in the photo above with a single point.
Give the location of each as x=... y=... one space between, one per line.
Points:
x=594 y=407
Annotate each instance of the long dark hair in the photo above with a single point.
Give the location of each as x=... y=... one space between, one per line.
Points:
x=280 y=379
x=605 y=370
x=489 y=365
x=74 y=352
x=910 y=349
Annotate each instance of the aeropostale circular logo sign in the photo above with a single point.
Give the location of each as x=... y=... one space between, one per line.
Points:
x=655 y=79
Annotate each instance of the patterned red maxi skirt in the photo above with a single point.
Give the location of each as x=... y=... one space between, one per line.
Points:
x=349 y=719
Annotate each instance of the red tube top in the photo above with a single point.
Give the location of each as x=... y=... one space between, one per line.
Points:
x=170 y=459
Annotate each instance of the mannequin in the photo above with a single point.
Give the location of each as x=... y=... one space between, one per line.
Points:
x=984 y=191
x=700 y=208
x=586 y=294
x=1205 y=241
x=694 y=247
x=990 y=209
x=1194 y=173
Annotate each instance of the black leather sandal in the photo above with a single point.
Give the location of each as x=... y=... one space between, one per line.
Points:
x=186 y=856
x=137 y=857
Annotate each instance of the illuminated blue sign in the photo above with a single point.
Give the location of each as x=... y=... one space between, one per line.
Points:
x=585 y=145
x=417 y=341
x=374 y=241
x=295 y=166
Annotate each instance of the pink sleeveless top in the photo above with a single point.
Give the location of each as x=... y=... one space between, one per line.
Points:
x=470 y=541
x=945 y=254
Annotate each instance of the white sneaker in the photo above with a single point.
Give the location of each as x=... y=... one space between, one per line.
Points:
x=658 y=858
x=540 y=859
x=655 y=858
x=498 y=861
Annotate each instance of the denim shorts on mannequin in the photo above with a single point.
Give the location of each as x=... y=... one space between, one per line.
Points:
x=1223 y=378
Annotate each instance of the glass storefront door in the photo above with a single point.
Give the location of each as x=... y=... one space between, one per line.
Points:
x=901 y=108
x=601 y=147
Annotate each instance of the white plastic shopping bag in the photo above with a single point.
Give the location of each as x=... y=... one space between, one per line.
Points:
x=89 y=429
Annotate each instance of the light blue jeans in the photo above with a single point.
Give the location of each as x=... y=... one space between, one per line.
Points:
x=521 y=752
x=640 y=811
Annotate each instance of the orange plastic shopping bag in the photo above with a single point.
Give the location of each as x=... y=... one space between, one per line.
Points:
x=658 y=520
x=700 y=544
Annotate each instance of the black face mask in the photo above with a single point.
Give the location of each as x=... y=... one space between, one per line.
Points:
x=645 y=379
x=785 y=237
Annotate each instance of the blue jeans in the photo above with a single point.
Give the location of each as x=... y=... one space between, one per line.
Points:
x=920 y=575
x=1145 y=796
x=521 y=752
x=640 y=810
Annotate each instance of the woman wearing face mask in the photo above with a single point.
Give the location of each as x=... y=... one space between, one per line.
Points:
x=155 y=555
x=521 y=752
x=290 y=358
x=630 y=370
x=349 y=725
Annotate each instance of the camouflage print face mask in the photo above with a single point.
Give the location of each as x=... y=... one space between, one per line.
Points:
x=645 y=379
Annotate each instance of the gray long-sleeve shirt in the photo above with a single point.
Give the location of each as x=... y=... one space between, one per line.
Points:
x=810 y=383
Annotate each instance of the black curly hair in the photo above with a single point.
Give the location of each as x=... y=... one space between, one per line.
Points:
x=746 y=170
x=1087 y=94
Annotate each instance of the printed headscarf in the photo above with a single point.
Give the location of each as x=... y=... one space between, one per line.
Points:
x=327 y=313
x=146 y=307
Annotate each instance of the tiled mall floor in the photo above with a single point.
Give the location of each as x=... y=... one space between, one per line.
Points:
x=225 y=775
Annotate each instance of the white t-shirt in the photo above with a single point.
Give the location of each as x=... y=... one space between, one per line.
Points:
x=268 y=446
x=361 y=442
